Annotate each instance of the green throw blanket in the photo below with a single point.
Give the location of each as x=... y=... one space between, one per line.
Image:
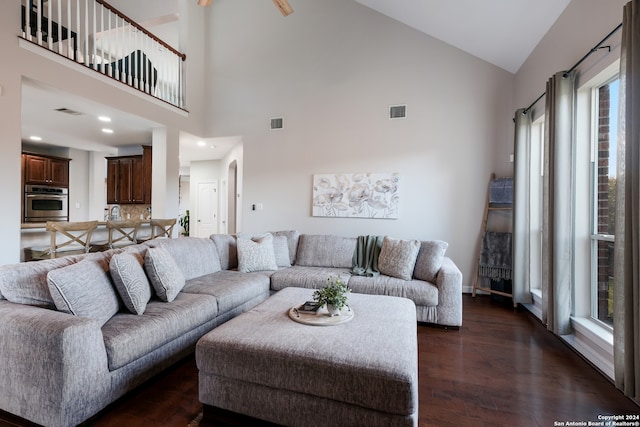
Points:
x=365 y=258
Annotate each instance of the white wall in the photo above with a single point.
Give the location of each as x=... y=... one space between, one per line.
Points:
x=235 y=155
x=331 y=70
x=580 y=27
x=79 y=185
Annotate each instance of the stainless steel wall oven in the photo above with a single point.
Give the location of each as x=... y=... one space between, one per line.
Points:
x=45 y=203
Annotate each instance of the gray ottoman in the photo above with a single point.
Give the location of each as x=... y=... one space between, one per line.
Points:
x=360 y=373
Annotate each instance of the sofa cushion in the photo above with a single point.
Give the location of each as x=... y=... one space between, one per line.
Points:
x=429 y=260
x=231 y=288
x=293 y=236
x=163 y=272
x=398 y=257
x=281 y=251
x=84 y=289
x=325 y=251
x=195 y=256
x=26 y=283
x=130 y=281
x=306 y=277
x=256 y=253
x=420 y=292
x=227 y=250
x=128 y=337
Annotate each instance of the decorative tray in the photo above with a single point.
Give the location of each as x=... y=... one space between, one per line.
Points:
x=321 y=317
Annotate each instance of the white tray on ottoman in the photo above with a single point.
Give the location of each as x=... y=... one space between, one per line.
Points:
x=360 y=373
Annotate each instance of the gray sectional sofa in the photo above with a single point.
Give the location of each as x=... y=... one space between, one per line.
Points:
x=79 y=332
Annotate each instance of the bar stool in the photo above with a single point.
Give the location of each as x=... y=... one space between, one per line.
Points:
x=121 y=233
x=67 y=238
x=160 y=228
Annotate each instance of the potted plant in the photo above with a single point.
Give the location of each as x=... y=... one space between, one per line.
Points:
x=334 y=295
x=184 y=223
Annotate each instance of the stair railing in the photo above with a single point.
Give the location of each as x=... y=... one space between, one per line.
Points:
x=95 y=34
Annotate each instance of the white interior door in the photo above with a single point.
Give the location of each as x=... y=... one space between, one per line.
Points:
x=206 y=214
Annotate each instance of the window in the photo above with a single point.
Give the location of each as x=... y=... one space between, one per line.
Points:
x=535 y=214
x=603 y=201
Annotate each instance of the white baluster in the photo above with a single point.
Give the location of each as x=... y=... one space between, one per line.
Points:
x=49 y=26
x=27 y=19
x=95 y=34
x=78 y=39
x=145 y=62
x=39 y=22
x=119 y=49
x=122 y=50
x=134 y=58
x=172 y=87
x=129 y=52
x=70 y=51
x=159 y=63
x=166 y=73
x=93 y=60
x=102 y=36
x=116 y=49
x=109 y=34
x=179 y=83
x=59 y=24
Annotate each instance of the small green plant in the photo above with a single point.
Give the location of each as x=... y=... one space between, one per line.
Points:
x=335 y=293
x=184 y=223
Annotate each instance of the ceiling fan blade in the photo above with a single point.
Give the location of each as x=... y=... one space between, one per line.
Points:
x=284 y=6
x=204 y=2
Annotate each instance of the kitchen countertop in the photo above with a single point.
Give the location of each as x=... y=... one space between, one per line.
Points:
x=42 y=225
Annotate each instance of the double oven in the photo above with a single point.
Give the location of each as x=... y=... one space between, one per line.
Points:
x=45 y=203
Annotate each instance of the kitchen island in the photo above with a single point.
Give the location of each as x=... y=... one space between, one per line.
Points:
x=36 y=235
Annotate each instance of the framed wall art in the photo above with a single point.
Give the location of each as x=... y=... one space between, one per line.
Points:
x=356 y=195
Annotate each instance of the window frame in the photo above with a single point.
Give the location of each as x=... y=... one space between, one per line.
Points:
x=595 y=236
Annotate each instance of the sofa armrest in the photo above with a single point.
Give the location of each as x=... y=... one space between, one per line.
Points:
x=53 y=365
x=449 y=283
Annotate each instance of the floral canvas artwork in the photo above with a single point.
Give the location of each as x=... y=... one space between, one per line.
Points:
x=356 y=195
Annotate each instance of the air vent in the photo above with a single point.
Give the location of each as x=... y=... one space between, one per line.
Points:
x=397 y=111
x=277 y=123
x=68 y=111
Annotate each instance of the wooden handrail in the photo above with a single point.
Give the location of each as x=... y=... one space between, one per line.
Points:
x=139 y=27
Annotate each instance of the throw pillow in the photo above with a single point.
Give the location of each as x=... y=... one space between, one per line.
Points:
x=195 y=256
x=429 y=260
x=398 y=257
x=130 y=280
x=256 y=253
x=26 y=283
x=163 y=272
x=227 y=251
x=281 y=251
x=84 y=289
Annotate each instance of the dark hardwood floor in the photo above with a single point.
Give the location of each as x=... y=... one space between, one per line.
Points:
x=502 y=368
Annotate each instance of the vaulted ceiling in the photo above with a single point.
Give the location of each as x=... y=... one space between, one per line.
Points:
x=501 y=32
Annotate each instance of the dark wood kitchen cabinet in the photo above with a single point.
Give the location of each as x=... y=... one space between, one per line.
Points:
x=129 y=179
x=45 y=170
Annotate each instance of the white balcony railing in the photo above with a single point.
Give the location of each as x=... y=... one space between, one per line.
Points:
x=95 y=34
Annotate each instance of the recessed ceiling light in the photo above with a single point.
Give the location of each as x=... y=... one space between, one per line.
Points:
x=213 y=146
x=35 y=138
x=201 y=143
x=107 y=130
x=104 y=119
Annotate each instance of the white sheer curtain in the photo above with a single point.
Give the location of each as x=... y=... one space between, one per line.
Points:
x=522 y=207
x=558 y=206
x=627 y=247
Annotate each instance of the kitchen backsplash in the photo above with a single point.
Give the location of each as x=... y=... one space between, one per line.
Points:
x=133 y=211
